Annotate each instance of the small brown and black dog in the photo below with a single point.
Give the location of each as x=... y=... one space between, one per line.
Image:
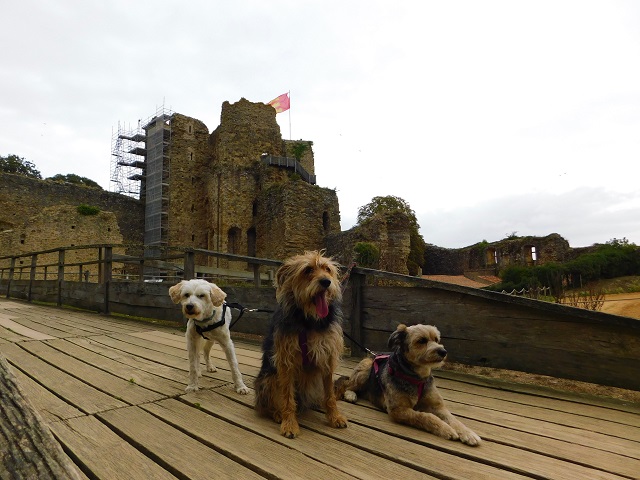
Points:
x=402 y=384
x=304 y=343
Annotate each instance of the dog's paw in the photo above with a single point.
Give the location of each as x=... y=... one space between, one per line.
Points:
x=211 y=368
x=445 y=431
x=470 y=438
x=350 y=396
x=191 y=388
x=339 y=421
x=242 y=389
x=290 y=429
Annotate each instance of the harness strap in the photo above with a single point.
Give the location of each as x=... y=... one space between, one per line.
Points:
x=394 y=373
x=304 y=348
x=415 y=381
x=213 y=326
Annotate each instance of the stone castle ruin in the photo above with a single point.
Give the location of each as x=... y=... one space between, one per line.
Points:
x=239 y=189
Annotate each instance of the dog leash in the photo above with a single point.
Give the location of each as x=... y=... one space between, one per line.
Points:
x=243 y=309
x=344 y=282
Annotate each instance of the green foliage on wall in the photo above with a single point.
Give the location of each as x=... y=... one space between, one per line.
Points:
x=367 y=254
x=88 y=210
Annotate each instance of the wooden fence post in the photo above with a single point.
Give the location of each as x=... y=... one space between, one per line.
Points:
x=11 y=271
x=189 y=265
x=256 y=275
x=32 y=274
x=107 y=272
x=60 y=275
x=357 y=281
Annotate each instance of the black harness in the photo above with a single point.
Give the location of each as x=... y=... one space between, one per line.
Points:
x=213 y=326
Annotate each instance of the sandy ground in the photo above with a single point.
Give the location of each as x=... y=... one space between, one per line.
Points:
x=625 y=304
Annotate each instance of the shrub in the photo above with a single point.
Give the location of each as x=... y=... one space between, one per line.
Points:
x=88 y=210
x=367 y=254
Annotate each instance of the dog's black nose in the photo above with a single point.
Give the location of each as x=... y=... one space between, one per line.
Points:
x=442 y=352
x=325 y=282
x=188 y=307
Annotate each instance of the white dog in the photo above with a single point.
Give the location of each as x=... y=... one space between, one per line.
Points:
x=208 y=319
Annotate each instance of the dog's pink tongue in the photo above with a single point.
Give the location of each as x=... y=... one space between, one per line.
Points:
x=322 y=309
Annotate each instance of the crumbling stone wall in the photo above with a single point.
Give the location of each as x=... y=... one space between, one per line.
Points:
x=390 y=232
x=21 y=198
x=62 y=226
x=295 y=216
x=496 y=255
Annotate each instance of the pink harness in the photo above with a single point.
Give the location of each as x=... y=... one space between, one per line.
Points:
x=420 y=383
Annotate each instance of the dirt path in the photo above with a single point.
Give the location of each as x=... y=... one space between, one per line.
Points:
x=626 y=304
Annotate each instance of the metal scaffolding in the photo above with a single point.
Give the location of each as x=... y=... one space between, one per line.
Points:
x=129 y=158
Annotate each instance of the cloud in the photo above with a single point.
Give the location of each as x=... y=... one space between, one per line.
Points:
x=583 y=216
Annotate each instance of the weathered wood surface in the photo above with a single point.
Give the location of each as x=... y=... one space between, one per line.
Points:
x=112 y=393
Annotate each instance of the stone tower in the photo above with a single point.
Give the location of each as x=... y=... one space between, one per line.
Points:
x=237 y=190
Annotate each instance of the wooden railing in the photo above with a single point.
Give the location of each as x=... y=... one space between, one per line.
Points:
x=478 y=327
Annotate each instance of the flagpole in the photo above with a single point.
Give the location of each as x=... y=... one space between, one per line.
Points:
x=289 y=94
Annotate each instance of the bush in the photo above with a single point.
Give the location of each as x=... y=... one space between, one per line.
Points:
x=88 y=210
x=367 y=254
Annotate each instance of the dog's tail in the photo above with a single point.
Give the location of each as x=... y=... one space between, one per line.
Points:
x=340 y=386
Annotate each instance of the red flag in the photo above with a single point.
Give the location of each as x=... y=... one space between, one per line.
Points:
x=281 y=103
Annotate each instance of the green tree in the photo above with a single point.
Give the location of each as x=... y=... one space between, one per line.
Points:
x=367 y=254
x=19 y=166
x=75 y=179
x=391 y=203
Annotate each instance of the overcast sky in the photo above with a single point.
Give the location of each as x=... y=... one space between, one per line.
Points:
x=487 y=117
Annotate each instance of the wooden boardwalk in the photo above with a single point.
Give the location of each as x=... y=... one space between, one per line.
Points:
x=112 y=393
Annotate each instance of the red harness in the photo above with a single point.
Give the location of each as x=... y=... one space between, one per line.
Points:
x=420 y=383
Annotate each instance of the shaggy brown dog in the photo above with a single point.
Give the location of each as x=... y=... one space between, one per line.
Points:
x=304 y=343
x=401 y=383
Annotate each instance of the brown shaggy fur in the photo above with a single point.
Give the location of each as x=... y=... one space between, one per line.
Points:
x=416 y=350
x=303 y=347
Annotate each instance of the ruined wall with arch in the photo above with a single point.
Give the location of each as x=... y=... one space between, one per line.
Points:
x=493 y=257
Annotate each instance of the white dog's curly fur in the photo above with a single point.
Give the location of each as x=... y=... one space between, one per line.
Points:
x=202 y=305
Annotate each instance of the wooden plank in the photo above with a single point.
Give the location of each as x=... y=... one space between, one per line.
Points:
x=561 y=432
x=543 y=414
x=125 y=371
x=8 y=335
x=22 y=330
x=173 y=449
x=52 y=331
x=79 y=394
x=502 y=456
x=592 y=456
x=171 y=374
x=49 y=406
x=355 y=450
x=576 y=408
x=216 y=353
x=66 y=323
x=28 y=448
x=208 y=380
x=125 y=390
x=241 y=444
x=178 y=341
x=102 y=454
x=506 y=385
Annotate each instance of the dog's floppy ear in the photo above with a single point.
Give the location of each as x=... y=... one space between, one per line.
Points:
x=282 y=273
x=217 y=295
x=397 y=338
x=175 y=292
